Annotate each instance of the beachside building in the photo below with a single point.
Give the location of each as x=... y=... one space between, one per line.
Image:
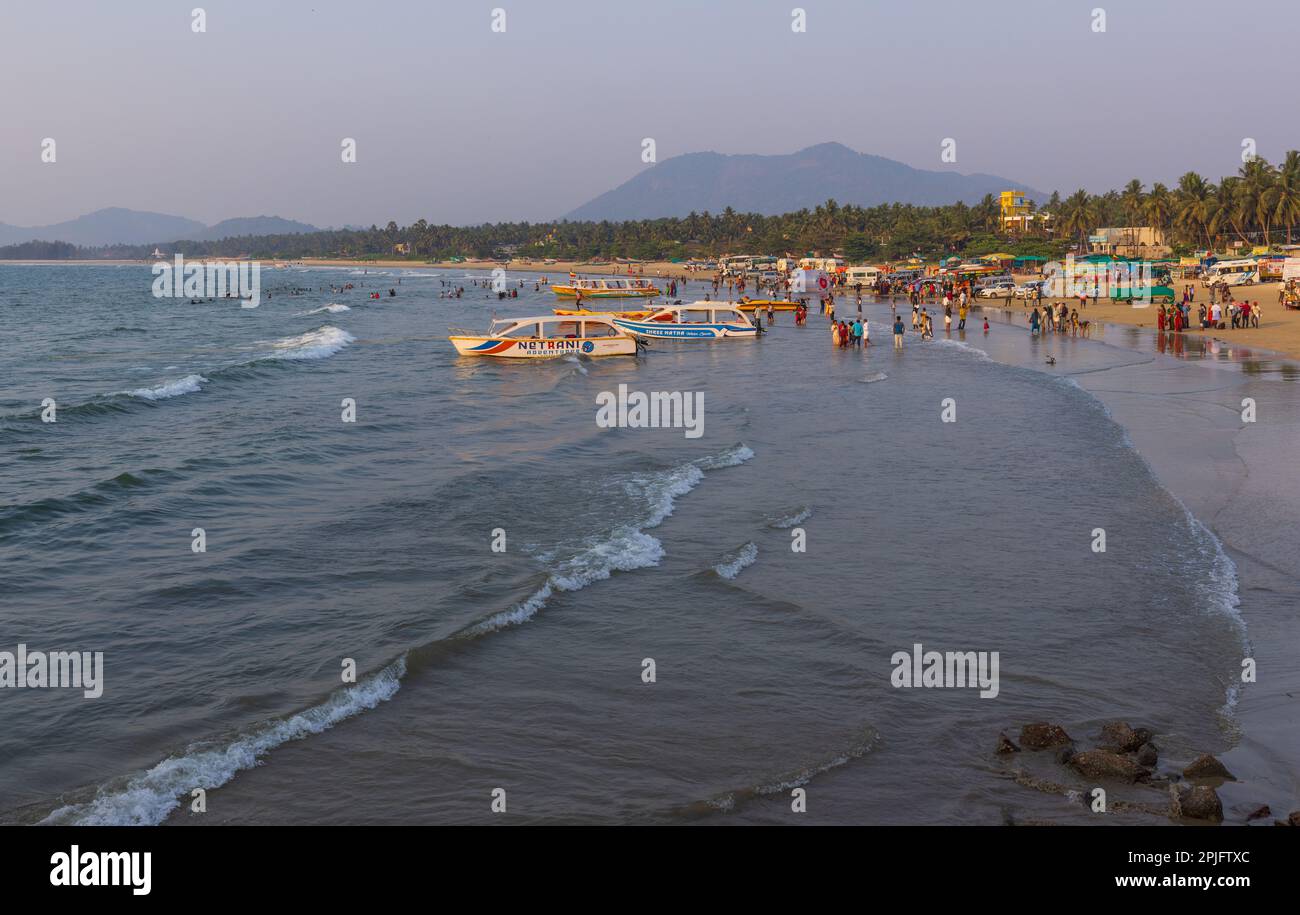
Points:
x=1129 y=241
x=402 y=248
x=1017 y=212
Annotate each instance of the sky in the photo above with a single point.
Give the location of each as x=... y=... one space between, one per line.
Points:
x=457 y=123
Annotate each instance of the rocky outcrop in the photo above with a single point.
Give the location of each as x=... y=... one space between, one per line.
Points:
x=1147 y=755
x=1199 y=802
x=1206 y=766
x=1006 y=745
x=1118 y=736
x=1043 y=736
x=1105 y=765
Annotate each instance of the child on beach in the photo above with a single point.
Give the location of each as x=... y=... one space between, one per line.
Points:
x=986 y=325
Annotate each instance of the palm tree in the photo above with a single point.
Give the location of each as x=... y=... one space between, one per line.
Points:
x=1286 y=209
x=1078 y=215
x=1159 y=207
x=1224 y=211
x=1132 y=200
x=1255 y=194
x=1192 y=206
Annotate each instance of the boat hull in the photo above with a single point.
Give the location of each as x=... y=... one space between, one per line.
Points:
x=766 y=304
x=571 y=292
x=537 y=348
x=662 y=330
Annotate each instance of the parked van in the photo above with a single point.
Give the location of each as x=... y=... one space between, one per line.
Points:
x=1232 y=273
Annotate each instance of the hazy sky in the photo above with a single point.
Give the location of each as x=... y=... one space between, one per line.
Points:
x=456 y=123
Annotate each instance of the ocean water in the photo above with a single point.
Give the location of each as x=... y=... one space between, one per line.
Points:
x=522 y=670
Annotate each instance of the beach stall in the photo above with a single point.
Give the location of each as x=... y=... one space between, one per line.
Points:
x=1032 y=264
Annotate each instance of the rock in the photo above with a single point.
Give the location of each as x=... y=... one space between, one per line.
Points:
x=1043 y=736
x=1143 y=735
x=1259 y=814
x=1206 y=766
x=1103 y=764
x=1148 y=755
x=1064 y=754
x=1293 y=818
x=1006 y=745
x=1121 y=738
x=1200 y=802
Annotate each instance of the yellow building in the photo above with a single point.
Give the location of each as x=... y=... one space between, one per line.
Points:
x=1014 y=206
x=1017 y=212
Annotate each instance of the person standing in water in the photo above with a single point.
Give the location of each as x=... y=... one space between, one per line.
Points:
x=898 y=332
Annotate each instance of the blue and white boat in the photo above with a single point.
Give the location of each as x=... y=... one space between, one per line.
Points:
x=697 y=321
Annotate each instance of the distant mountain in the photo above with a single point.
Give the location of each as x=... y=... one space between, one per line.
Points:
x=253 y=225
x=104 y=227
x=781 y=184
x=118 y=226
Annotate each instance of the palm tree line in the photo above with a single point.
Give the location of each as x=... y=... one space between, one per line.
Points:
x=1260 y=204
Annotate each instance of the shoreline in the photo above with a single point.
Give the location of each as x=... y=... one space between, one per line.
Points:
x=1220 y=470
x=1278 y=333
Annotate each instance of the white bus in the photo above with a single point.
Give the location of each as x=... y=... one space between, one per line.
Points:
x=861 y=276
x=740 y=264
x=1232 y=273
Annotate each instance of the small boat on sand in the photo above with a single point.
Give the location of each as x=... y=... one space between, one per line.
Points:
x=547 y=337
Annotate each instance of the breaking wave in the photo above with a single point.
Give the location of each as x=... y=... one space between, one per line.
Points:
x=148 y=798
x=738 y=561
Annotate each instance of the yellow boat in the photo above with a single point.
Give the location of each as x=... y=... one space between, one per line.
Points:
x=585 y=312
x=606 y=289
x=774 y=304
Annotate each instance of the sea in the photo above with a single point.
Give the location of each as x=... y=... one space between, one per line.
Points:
x=551 y=621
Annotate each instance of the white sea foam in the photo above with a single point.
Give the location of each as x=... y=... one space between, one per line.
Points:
x=187 y=385
x=737 y=562
x=146 y=799
x=333 y=308
x=784 y=784
x=577 y=363
x=963 y=345
x=317 y=344
x=874 y=377
x=791 y=520
x=736 y=454
x=625 y=548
